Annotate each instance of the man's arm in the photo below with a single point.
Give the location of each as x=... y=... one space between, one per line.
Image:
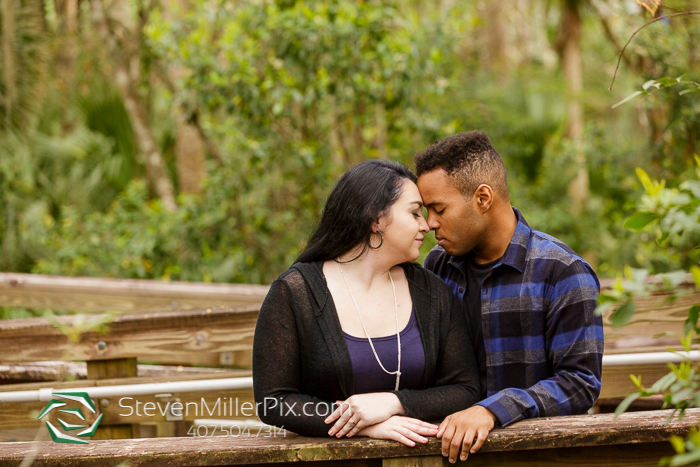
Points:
x=574 y=346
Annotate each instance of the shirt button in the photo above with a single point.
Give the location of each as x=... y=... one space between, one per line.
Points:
x=461 y=290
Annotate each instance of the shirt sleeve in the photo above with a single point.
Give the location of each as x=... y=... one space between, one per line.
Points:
x=574 y=346
x=277 y=370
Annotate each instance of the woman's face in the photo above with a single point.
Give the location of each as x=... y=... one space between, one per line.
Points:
x=404 y=227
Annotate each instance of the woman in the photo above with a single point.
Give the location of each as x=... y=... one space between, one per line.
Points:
x=356 y=322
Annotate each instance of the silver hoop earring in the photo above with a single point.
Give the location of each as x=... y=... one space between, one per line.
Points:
x=380 y=243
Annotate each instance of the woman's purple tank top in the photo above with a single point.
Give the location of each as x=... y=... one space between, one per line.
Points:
x=368 y=375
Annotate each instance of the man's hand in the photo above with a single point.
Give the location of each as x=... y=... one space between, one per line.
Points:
x=459 y=430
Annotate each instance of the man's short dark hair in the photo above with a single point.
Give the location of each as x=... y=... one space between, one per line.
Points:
x=470 y=159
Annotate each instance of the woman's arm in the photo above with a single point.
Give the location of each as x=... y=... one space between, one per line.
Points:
x=456 y=384
x=277 y=370
x=408 y=431
x=362 y=410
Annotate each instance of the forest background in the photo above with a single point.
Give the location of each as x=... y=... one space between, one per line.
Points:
x=197 y=139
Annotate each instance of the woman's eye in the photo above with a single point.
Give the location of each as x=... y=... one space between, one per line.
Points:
x=416 y=214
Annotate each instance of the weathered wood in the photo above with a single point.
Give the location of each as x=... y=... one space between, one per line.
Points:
x=169 y=337
x=643 y=403
x=112 y=369
x=18 y=434
x=425 y=461
x=22 y=416
x=617 y=383
x=33 y=372
x=550 y=439
x=37 y=372
x=625 y=455
x=125 y=295
x=223 y=336
x=653 y=315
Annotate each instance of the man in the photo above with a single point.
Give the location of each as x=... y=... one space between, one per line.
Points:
x=529 y=299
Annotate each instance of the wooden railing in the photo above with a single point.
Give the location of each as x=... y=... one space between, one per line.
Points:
x=635 y=439
x=123 y=295
x=216 y=336
x=219 y=336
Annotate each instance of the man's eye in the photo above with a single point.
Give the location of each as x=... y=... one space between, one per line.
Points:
x=440 y=211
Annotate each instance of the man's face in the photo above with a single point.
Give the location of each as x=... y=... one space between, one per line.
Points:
x=458 y=224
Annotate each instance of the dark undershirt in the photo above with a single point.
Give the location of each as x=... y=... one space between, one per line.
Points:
x=476 y=276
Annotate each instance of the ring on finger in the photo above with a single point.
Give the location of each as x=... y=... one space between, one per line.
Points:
x=353 y=421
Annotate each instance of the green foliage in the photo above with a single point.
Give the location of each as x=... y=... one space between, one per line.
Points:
x=21 y=76
x=673 y=215
x=291 y=94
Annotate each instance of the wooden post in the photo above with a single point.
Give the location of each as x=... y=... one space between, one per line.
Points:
x=111 y=369
x=425 y=461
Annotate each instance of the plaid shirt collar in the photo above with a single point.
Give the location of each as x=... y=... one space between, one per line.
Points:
x=515 y=254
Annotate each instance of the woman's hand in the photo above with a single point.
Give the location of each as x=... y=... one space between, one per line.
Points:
x=406 y=430
x=362 y=410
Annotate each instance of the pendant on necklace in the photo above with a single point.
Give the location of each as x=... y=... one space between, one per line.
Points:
x=398 y=378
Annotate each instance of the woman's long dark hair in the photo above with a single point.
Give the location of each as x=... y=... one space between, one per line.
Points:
x=362 y=194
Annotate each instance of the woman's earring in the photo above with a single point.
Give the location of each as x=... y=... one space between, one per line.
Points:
x=380 y=243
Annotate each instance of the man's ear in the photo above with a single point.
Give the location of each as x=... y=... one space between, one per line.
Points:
x=484 y=197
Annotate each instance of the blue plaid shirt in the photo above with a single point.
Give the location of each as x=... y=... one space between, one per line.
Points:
x=543 y=342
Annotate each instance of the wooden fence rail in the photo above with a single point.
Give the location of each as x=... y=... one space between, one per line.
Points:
x=221 y=336
x=19 y=419
x=213 y=337
x=124 y=295
x=635 y=439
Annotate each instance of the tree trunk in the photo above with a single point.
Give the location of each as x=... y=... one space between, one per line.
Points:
x=7 y=12
x=496 y=47
x=155 y=165
x=189 y=157
x=569 y=49
x=381 y=138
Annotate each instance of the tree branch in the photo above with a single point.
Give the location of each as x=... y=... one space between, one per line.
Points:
x=609 y=32
x=685 y=13
x=155 y=165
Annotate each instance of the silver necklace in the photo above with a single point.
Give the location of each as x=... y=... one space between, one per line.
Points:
x=398 y=334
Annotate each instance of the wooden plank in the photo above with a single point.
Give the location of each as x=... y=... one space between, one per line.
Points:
x=104 y=370
x=558 y=433
x=196 y=339
x=112 y=369
x=19 y=434
x=125 y=295
x=625 y=455
x=22 y=416
x=171 y=337
x=653 y=315
x=616 y=380
x=37 y=372
x=425 y=461
x=167 y=337
x=644 y=403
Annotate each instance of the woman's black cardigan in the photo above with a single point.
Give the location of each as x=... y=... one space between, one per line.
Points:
x=301 y=363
